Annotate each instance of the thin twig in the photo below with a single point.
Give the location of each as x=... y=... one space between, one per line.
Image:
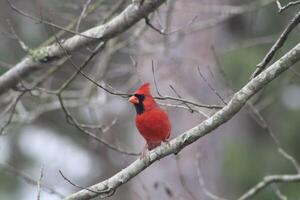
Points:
x=267 y=180
x=283 y=8
x=82 y=14
x=14 y=105
x=278 y=44
x=259 y=119
x=72 y=121
x=127 y=18
x=5 y=65
x=86 y=76
x=187 y=105
x=211 y=87
x=39 y=20
x=278 y=192
x=144 y=187
x=126 y=95
x=295 y=72
x=184 y=107
x=84 y=64
x=39 y=184
x=290 y=158
x=92 y=8
x=163 y=31
x=154 y=79
x=263 y=124
x=201 y=181
x=182 y=180
x=28 y=179
x=106 y=193
x=114 y=10
x=22 y=44
x=189 y=102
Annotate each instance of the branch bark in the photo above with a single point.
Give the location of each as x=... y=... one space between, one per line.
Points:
x=38 y=59
x=269 y=180
x=238 y=100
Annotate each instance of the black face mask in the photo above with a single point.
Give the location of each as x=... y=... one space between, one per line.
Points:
x=139 y=107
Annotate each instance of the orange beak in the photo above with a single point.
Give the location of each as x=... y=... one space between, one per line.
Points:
x=133 y=100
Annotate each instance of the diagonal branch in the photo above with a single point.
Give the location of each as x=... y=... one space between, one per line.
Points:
x=74 y=122
x=238 y=100
x=28 y=179
x=269 y=180
x=283 y=8
x=102 y=33
x=277 y=45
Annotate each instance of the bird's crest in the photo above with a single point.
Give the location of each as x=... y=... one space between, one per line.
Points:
x=144 y=89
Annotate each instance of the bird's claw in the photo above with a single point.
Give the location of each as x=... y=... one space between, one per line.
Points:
x=144 y=152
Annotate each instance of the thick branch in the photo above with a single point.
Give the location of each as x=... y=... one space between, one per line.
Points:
x=37 y=60
x=227 y=112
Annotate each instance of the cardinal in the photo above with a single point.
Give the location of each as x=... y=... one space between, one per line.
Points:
x=151 y=121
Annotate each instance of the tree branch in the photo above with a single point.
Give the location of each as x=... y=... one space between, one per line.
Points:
x=277 y=45
x=283 y=8
x=269 y=180
x=238 y=100
x=102 y=33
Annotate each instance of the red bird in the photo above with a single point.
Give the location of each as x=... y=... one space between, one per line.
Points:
x=151 y=121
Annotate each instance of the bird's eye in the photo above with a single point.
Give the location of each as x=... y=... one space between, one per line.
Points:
x=140 y=97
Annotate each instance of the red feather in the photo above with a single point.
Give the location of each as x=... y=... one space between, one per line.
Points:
x=151 y=121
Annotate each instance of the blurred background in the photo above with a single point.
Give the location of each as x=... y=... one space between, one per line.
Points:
x=210 y=47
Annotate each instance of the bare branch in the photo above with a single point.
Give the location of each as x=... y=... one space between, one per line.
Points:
x=163 y=32
x=101 y=33
x=202 y=183
x=279 y=193
x=263 y=124
x=211 y=87
x=189 y=102
x=144 y=187
x=5 y=65
x=103 y=194
x=14 y=105
x=79 y=69
x=283 y=8
x=178 y=95
x=182 y=180
x=226 y=12
x=238 y=100
x=74 y=122
x=267 y=180
x=83 y=14
x=39 y=184
x=28 y=179
x=255 y=114
x=290 y=158
x=125 y=95
x=22 y=44
x=154 y=79
x=39 y=20
x=235 y=9
x=185 y=108
x=92 y=8
x=24 y=90
x=278 y=44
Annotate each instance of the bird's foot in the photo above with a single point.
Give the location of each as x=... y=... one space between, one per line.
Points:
x=144 y=152
x=166 y=141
